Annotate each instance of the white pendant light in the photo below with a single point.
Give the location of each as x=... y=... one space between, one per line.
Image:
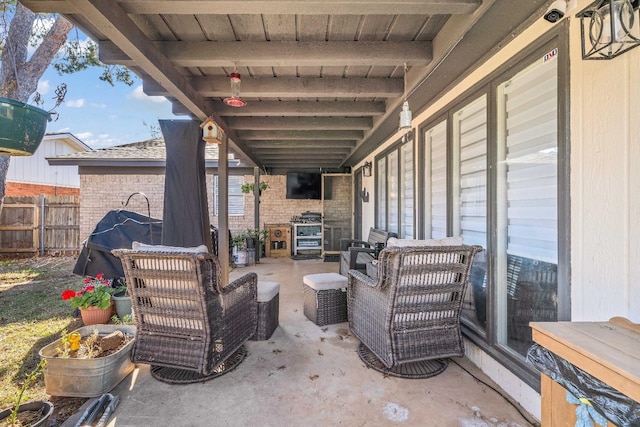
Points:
x=405 y=115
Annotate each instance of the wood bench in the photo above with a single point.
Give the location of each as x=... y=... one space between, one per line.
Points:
x=355 y=254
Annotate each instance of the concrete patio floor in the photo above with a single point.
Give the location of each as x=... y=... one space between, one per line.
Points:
x=306 y=375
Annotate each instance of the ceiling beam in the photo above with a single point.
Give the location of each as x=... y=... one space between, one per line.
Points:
x=300 y=123
x=283 y=87
x=300 y=156
x=279 y=144
x=302 y=109
x=306 y=7
x=300 y=134
x=280 y=54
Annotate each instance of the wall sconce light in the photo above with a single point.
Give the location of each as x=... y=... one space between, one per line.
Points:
x=364 y=195
x=366 y=169
x=609 y=28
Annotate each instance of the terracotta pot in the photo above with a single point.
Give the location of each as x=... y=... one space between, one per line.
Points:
x=95 y=315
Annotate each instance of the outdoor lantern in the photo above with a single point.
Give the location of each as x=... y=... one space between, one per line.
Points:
x=609 y=28
x=366 y=169
x=235 y=100
x=211 y=132
x=405 y=117
x=405 y=114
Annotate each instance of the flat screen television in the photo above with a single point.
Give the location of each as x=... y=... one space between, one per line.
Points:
x=304 y=185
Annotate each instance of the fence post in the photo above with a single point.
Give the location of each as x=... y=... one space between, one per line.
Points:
x=42 y=225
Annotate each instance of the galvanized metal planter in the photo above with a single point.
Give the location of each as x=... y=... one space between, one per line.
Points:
x=87 y=377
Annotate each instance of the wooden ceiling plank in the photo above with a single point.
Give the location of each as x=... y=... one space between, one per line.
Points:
x=283 y=87
x=286 y=53
x=307 y=7
x=49 y=6
x=300 y=134
x=300 y=123
x=279 y=144
x=302 y=109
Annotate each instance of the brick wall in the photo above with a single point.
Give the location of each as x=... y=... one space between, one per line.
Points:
x=24 y=189
x=102 y=193
x=275 y=208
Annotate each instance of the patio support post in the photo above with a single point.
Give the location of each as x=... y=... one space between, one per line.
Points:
x=223 y=209
x=256 y=197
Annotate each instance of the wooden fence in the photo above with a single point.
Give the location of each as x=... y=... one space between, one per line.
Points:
x=45 y=225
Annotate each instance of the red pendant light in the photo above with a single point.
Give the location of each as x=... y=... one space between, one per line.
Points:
x=234 y=100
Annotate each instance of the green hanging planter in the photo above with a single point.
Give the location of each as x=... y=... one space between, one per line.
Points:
x=22 y=127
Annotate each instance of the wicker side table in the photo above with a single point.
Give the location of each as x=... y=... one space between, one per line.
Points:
x=325 y=298
x=268 y=310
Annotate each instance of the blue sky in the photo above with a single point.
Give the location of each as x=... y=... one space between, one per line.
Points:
x=101 y=115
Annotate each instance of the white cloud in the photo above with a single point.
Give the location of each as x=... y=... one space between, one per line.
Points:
x=103 y=141
x=75 y=103
x=137 y=93
x=43 y=87
x=84 y=136
x=96 y=105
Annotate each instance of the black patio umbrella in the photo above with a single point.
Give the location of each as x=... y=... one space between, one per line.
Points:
x=186 y=211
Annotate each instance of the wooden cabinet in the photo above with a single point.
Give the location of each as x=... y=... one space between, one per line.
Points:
x=609 y=351
x=278 y=240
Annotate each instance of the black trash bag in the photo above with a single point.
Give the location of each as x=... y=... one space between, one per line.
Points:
x=117 y=230
x=609 y=402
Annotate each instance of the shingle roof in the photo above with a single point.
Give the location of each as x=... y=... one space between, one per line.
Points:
x=152 y=149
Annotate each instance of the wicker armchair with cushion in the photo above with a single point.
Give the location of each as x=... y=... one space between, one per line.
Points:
x=408 y=318
x=355 y=254
x=190 y=327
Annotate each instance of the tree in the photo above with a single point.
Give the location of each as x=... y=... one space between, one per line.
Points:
x=19 y=74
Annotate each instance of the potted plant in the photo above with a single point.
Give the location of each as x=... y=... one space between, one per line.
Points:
x=239 y=243
x=94 y=299
x=258 y=238
x=122 y=299
x=89 y=361
x=247 y=188
x=34 y=413
x=22 y=126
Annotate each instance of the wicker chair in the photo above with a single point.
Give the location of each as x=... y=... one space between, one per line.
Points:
x=408 y=318
x=190 y=327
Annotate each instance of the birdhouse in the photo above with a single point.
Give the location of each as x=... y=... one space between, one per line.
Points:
x=211 y=132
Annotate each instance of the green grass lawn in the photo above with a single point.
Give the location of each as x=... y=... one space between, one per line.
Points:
x=32 y=314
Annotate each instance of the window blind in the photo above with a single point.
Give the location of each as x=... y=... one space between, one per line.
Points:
x=470 y=142
x=529 y=101
x=236 y=197
x=436 y=180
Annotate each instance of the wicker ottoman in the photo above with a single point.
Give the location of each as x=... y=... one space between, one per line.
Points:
x=268 y=309
x=325 y=298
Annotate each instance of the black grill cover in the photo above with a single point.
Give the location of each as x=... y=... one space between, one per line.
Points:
x=118 y=229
